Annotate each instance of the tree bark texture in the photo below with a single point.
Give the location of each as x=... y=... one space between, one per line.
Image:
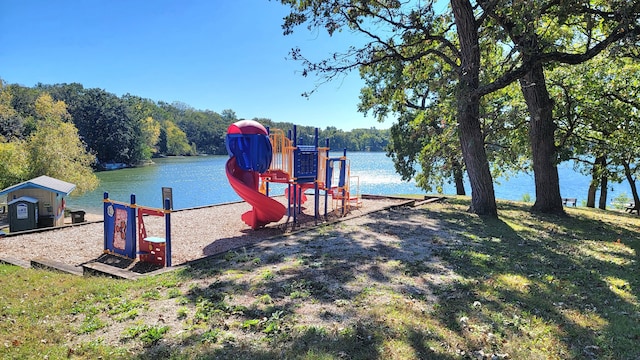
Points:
x=604 y=183
x=458 y=176
x=591 y=196
x=483 y=201
x=598 y=164
x=632 y=183
x=542 y=139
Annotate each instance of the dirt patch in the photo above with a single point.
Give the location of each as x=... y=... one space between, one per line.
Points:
x=314 y=279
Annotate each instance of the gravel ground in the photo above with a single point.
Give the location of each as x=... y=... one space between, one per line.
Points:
x=195 y=233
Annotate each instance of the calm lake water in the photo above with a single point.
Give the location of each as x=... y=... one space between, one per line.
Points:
x=199 y=181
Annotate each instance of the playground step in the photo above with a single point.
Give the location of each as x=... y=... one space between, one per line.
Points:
x=47 y=264
x=100 y=269
x=128 y=273
x=13 y=261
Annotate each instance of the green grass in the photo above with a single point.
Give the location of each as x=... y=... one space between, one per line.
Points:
x=523 y=286
x=43 y=311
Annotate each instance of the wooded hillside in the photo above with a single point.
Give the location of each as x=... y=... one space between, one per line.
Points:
x=67 y=131
x=129 y=129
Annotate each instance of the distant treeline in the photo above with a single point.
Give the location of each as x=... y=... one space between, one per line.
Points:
x=130 y=129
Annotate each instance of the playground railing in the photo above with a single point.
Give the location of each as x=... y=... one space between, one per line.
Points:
x=282 y=159
x=322 y=168
x=355 y=200
x=153 y=249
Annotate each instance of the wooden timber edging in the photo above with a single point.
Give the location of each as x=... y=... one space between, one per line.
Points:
x=44 y=263
x=16 y=262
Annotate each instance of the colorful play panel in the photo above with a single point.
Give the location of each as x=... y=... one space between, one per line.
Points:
x=125 y=233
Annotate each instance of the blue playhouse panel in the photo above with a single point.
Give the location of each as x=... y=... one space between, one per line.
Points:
x=253 y=152
x=305 y=163
x=120 y=229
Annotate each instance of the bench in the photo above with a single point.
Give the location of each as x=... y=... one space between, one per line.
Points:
x=630 y=208
x=569 y=201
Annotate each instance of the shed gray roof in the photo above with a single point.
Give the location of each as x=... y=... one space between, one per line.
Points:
x=23 y=198
x=43 y=182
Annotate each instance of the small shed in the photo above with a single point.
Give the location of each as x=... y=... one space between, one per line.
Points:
x=23 y=214
x=50 y=194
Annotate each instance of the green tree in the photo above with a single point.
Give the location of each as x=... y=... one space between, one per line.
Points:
x=13 y=153
x=422 y=93
x=229 y=116
x=411 y=32
x=13 y=162
x=55 y=149
x=23 y=101
x=537 y=34
x=597 y=117
x=141 y=111
x=206 y=130
x=550 y=31
x=11 y=123
x=150 y=135
x=176 y=139
x=430 y=141
x=104 y=123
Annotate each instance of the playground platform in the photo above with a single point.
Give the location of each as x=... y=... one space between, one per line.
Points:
x=196 y=234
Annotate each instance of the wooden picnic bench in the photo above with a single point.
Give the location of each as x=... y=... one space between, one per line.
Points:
x=569 y=201
x=631 y=208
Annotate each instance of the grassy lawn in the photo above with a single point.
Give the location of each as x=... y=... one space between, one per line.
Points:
x=432 y=282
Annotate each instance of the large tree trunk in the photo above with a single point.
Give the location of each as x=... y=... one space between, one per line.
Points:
x=604 y=183
x=591 y=195
x=458 y=176
x=632 y=183
x=542 y=139
x=598 y=164
x=483 y=201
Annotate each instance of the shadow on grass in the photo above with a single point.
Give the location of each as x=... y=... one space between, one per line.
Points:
x=567 y=273
x=438 y=284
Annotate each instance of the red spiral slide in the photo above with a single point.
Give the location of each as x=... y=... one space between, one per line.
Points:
x=265 y=209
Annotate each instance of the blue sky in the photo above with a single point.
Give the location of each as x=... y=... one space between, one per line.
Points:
x=209 y=54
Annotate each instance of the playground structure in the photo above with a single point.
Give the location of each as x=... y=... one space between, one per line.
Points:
x=124 y=224
x=259 y=157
